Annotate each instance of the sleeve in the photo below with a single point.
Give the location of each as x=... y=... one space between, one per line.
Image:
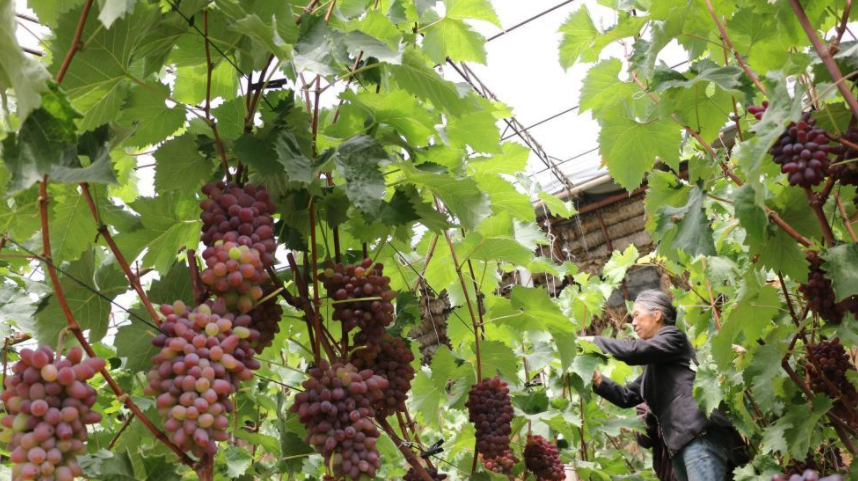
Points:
x=666 y=346
x=627 y=396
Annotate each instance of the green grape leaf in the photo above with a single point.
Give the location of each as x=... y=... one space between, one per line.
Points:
x=557 y=207
x=477 y=130
x=426 y=397
x=416 y=78
x=579 y=33
x=397 y=109
x=134 y=343
x=630 y=147
x=25 y=75
x=752 y=217
x=511 y=160
x=230 y=118
x=264 y=35
x=316 y=47
x=602 y=89
x=707 y=388
x=238 y=460
x=358 y=160
x=179 y=165
x=111 y=10
x=463 y=197
x=753 y=312
x=693 y=231
x=154 y=121
x=505 y=197
x=72 y=226
x=454 y=39
x=840 y=263
x=780 y=252
x=498 y=358
x=299 y=167
x=472 y=10
x=729 y=79
x=767 y=375
x=191 y=83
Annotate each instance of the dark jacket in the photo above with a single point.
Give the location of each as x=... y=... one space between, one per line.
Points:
x=665 y=385
x=653 y=439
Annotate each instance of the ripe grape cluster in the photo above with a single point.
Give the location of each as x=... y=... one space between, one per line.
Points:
x=391 y=359
x=808 y=475
x=239 y=214
x=819 y=293
x=830 y=363
x=203 y=359
x=543 y=459
x=758 y=112
x=490 y=410
x=49 y=404
x=362 y=296
x=265 y=318
x=412 y=475
x=336 y=407
x=803 y=152
x=845 y=167
x=234 y=272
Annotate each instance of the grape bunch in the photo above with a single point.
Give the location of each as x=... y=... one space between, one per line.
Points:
x=412 y=475
x=362 y=296
x=241 y=215
x=49 y=404
x=819 y=293
x=391 y=359
x=803 y=152
x=204 y=356
x=809 y=475
x=265 y=319
x=336 y=407
x=235 y=272
x=490 y=410
x=845 y=167
x=830 y=361
x=758 y=112
x=543 y=459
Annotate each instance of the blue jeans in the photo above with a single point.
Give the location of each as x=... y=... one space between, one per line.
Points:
x=704 y=459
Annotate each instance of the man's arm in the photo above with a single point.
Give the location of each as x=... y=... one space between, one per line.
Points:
x=666 y=346
x=623 y=396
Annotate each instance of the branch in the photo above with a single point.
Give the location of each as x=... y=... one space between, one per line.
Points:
x=75 y=44
x=212 y=123
x=845 y=217
x=422 y=272
x=772 y=214
x=841 y=29
x=825 y=55
x=119 y=433
x=75 y=328
x=196 y=281
x=409 y=455
x=816 y=207
x=792 y=313
x=133 y=280
x=729 y=44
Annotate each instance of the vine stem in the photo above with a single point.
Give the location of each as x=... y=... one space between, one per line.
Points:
x=76 y=43
x=429 y=255
x=121 y=430
x=212 y=124
x=841 y=29
x=117 y=254
x=458 y=268
x=816 y=206
x=726 y=39
x=5 y=358
x=777 y=219
x=845 y=217
x=825 y=55
x=196 y=281
x=78 y=333
x=792 y=313
x=409 y=455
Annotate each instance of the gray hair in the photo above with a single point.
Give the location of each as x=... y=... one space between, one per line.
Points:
x=658 y=301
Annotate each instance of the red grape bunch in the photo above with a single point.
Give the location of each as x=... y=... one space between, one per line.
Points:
x=336 y=407
x=391 y=359
x=234 y=272
x=241 y=215
x=809 y=475
x=758 y=112
x=543 y=459
x=490 y=410
x=803 y=152
x=362 y=296
x=49 y=404
x=204 y=356
x=265 y=318
x=819 y=293
x=845 y=167
x=830 y=360
x=412 y=475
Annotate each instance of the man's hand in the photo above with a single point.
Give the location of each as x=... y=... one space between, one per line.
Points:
x=597 y=378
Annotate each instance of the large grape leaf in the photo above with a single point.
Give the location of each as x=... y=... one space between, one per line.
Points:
x=753 y=312
x=96 y=81
x=603 y=89
x=25 y=75
x=630 y=147
x=752 y=217
x=148 y=112
x=92 y=312
x=472 y=10
x=840 y=265
x=478 y=130
x=578 y=33
x=505 y=197
x=498 y=358
x=415 y=77
x=358 y=160
x=179 y=165
x=134 y=343
x=71 y=225
x=454 y=39
x=463 y=197
x=397 y=109
x=690 y=226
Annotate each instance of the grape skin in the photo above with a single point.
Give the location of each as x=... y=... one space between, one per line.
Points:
x=803 y=152
x=809 y=475
x=364 y=281
x=412 y=475
x=829 y=360
x=390 y=358
x=490 y=410
x=232 y=213
x=819 y=293
x=45 y=427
